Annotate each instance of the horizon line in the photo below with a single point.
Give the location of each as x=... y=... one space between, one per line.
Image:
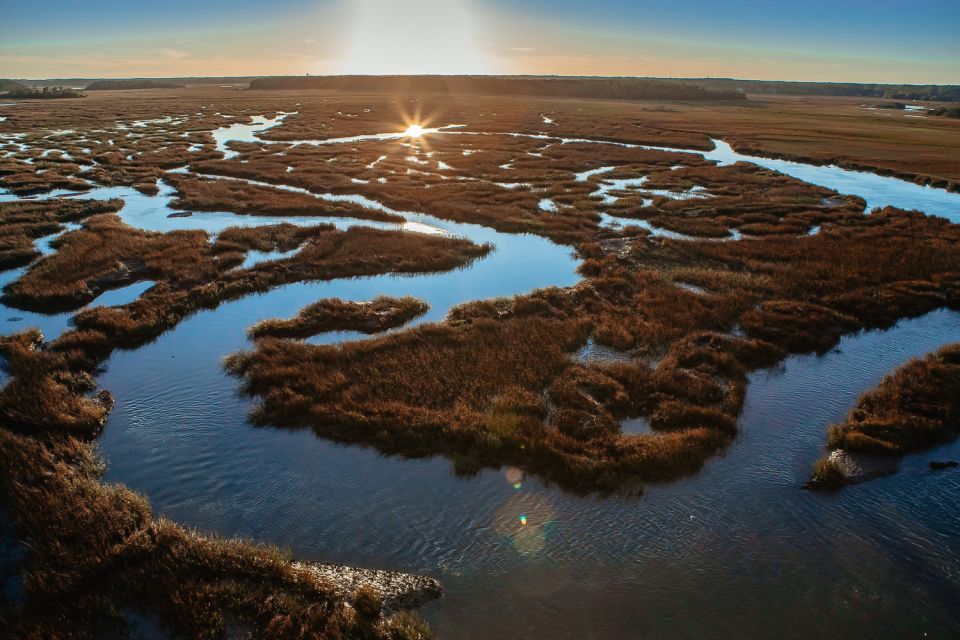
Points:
x=481 y=75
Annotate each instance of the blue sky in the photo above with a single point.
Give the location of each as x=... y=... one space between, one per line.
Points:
x=838 y=40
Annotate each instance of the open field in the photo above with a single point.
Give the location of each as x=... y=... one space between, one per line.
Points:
x=690 y=276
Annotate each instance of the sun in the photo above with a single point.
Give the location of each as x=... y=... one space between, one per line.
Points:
x=414 y=131
x=389 y=37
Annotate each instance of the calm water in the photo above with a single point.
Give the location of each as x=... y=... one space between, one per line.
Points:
x=737 y=551
x=878 y=191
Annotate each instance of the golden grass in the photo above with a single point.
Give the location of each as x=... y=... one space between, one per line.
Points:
x=496 y=384
x=107 y=254
x=95 y=552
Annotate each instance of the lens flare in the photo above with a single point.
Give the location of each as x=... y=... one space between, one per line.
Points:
x=525 y=520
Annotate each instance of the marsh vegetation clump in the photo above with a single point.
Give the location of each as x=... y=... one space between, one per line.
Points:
x=827 y=474
x=107 y=254
x=192 y=273
x=946 y=112
x=913 y=408
x=375 y=316
x=44 y=395
x=195 y=194
x=23 y=223
x=496 y=384
x=77 y=528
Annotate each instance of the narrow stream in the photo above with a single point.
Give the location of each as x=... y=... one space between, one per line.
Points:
x=736 y=551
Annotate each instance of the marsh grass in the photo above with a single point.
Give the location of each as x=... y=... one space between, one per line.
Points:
x=95 y=551
x=238 y=197
x=913 y=408
x=21 y=223
x=375 y=316
x=495 y=383
x=107 y=254
x=79 y=530
x=827 y=474
x=500 y=387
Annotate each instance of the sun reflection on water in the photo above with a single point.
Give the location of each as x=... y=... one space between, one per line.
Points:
x=414 y=131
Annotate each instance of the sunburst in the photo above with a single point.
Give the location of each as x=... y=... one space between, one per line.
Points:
x=414 y=131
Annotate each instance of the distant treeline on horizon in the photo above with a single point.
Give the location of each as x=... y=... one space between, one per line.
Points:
x=942 y=92
x=136 y=83
x=581 y=87
x=574 y=86
x=19 y=91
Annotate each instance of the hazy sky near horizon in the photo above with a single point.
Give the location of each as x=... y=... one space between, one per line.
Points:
x=834 y=40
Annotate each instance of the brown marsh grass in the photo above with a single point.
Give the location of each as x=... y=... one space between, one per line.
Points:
x=827 y=474
x=238 y=197
x=333 y=314
x=495 y=383
x=107 y=253
x=95 y=551
x=21 y=223
x=96 y=554
x=915 y=407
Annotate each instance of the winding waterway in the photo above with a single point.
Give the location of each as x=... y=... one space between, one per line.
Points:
x=736 y=551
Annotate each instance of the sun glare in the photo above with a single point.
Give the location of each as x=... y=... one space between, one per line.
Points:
x=414 y=131
x=413 y=37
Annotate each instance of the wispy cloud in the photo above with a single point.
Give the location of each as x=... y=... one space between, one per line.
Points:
x=174 y=54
